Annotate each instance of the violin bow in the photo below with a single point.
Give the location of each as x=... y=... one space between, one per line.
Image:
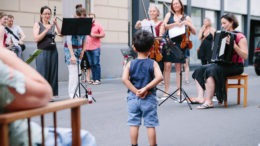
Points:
x=168 y=7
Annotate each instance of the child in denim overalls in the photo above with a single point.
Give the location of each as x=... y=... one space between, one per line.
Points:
x=140 y=77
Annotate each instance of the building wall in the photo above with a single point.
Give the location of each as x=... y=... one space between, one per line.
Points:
x=238 y=6
x=255 y=11
x=207 y=4
x=27 y=12
x=111 y=14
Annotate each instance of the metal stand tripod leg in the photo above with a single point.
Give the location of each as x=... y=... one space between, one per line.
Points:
x=78 y=88
x=169 y=96
x=182 y=91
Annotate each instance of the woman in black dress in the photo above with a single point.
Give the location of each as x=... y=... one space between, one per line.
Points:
x=211 y=77
x=206 y=35
x=171 y=20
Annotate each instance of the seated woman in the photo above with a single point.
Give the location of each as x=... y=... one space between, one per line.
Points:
x=21 y=87
x=211 y=77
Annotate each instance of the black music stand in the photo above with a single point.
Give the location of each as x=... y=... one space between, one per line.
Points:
x=77 y=26
x=182 y=92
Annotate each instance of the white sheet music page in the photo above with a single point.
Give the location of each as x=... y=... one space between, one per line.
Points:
x=223 y=46
x=176 y=31
x=146 y=25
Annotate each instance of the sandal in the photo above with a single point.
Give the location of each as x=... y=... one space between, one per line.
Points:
x=204 y=106
x=195 y=101
x=90 y=82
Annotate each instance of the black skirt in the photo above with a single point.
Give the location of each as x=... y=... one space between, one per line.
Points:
x=219 y=72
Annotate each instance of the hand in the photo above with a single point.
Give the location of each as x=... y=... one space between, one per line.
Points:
x=20 y=42
x=178 y=23
x=54 y=20
x=93 y=35
x=185 y=22
x=203 y=27
x=138 y=24
x=73 y=59
x=48 y=27
x=228 y=40
x=235 y=45
x=81 y=55
x=141 y=93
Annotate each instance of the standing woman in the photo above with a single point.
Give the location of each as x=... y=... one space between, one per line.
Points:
x=206 y=35
x=73 y=54
x=172 y=20
x=3 y=35
x=47 y=60
x=211 y=77
x=154 y=13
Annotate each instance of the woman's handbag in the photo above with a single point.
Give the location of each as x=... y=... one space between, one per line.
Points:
x=171 y=48
x=46 y=43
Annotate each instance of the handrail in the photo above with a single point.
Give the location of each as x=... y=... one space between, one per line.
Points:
x=73 y=104
x=51 y=107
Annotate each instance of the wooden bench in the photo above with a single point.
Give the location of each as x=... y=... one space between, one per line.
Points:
x=73 y=104
x=238 y=86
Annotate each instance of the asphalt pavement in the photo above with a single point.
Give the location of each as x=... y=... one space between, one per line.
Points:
x=179 y=126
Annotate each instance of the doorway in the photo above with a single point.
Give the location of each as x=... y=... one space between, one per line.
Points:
x=254 y=39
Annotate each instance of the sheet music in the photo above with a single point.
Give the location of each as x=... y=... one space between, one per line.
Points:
x=176 y=31
x=223 y=46
x=146 y=25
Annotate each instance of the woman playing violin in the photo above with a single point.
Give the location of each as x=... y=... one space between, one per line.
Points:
x=177 y=18
x=154 y=12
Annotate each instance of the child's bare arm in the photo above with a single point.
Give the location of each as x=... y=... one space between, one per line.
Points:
x=157 y=77
x=125 y=79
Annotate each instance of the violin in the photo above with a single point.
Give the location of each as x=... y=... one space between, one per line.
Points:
x=186 y=42
x=155 y=52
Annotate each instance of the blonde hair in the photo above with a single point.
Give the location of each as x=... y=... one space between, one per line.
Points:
x=206 y=18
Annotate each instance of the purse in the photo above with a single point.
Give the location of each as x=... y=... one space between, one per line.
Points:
x=46 y=43
x=172 y=49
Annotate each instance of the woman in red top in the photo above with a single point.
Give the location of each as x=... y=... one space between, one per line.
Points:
x=211 y=77
x=3 y=35
x=154 y=13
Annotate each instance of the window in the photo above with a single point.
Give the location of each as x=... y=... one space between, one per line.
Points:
x=240 y=20
x=196 y=16
x=212 y=15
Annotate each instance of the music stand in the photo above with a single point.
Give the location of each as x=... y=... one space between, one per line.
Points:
x=182 y=92
x=77 y=26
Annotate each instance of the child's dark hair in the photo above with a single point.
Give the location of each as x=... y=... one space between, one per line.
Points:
x=143 y=41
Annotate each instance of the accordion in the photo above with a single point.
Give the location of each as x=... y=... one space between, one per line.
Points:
x=222 y=52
